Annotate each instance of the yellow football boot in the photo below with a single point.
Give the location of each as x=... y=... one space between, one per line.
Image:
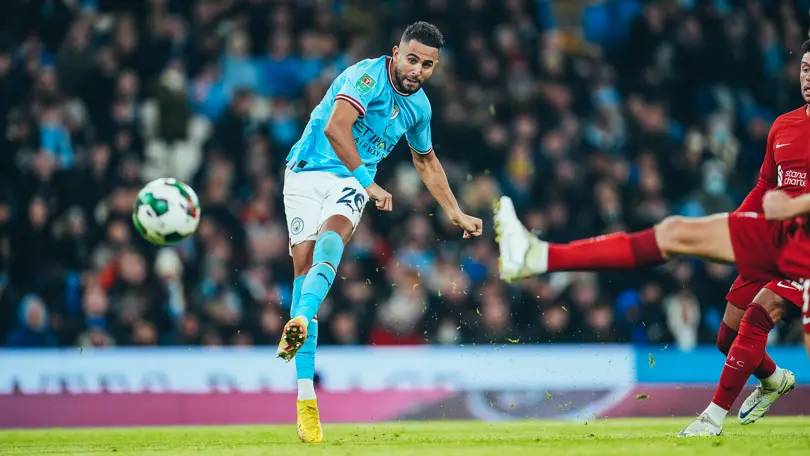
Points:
x=309 y=421
x=292 y=338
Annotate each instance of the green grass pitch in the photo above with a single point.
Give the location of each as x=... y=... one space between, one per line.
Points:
x=620 y=437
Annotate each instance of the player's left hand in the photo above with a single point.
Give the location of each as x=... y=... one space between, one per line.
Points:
x=472 y=226
x=777 y=205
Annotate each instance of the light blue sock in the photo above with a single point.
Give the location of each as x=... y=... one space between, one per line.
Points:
x=325 y=261
x=305 y=358
x=296 y=295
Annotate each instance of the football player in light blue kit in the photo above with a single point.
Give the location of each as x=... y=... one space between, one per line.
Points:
x=330 y=177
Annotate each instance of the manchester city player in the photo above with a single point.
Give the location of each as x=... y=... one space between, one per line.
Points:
x=330 y=177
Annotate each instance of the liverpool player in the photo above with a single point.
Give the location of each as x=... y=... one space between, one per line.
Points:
x=767 y=249
x=783 y=168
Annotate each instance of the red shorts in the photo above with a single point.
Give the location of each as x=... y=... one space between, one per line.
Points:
x=770 y=254
x=744 y=291
x=765 y=250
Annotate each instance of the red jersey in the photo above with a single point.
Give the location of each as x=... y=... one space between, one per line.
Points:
x=787 y=156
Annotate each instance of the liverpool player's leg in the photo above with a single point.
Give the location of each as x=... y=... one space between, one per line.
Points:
x=744 y=239
x=741 y=294
x=523 y=255
x=774 y=381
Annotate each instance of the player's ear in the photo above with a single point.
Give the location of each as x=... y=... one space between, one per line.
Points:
x=395 y=51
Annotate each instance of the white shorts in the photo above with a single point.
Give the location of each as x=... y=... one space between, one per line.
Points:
x=311 y=197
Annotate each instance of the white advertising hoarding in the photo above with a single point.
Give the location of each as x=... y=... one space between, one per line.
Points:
x=197 y=370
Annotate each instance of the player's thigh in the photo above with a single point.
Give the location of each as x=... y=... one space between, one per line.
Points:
x=340 y=225
x=303 y=206
x=706 y=237
x=792 y=292
x=757 y=245
x=343 y=207
x=742 y=293
x=794 y=254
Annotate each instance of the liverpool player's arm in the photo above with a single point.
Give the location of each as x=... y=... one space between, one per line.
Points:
x=767 y=179
x=778 y=205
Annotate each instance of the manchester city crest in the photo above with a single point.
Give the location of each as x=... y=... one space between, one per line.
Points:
x=395 y=111
x=297 y=225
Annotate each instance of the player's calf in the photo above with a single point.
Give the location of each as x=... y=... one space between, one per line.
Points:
x=326 y=258
x=725 y=337
x=775 y=382
x=523 y=255
x=325 y=261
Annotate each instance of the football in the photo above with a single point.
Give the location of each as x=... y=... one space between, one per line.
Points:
x=166 y=211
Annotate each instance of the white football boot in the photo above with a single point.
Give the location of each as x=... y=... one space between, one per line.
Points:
x=516 y=244
x=703 y=426
x=759 y=402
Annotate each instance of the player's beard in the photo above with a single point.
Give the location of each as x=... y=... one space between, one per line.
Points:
x=399 y=79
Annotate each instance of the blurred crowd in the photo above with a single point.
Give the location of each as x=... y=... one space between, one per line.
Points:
x=638 y=110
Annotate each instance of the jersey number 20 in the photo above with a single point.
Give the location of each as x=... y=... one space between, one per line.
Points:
x=355 y=203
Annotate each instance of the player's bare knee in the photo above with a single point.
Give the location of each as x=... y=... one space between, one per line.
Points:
x=775 y=305
x=302 y=270
x=339 y=224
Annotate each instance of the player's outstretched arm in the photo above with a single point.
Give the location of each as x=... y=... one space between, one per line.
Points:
x=432 y=174
x=338 y=131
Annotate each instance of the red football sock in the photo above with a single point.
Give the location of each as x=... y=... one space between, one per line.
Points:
x=766 y=368
x=745 y=355
x=614 y=251
x=725 y=338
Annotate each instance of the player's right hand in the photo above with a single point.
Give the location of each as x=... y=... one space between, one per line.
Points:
x=778 y=205
x=382 y=198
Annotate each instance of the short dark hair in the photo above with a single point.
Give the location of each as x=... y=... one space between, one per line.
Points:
x=425 y=33
x=806 y=47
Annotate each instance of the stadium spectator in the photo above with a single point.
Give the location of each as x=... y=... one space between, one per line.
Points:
x=664 y=109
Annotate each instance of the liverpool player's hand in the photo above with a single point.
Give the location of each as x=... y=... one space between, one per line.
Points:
x=382 y=198
x=777 y=205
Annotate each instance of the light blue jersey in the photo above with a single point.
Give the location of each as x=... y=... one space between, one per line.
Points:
x=385 y=115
